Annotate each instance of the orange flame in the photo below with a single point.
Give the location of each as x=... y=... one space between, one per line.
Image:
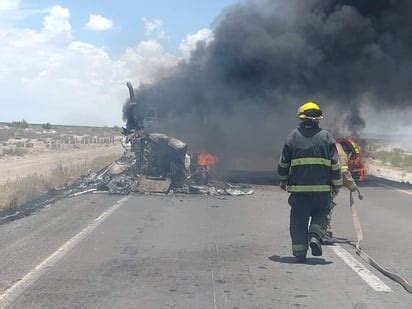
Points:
x=206 y=159
x=358 y=165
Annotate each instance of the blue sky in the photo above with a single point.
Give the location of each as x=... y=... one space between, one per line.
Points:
x=67 y=62
x=54 y=68
x=179 y=17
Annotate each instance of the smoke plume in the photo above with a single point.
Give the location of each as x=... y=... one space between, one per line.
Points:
x=237 y=96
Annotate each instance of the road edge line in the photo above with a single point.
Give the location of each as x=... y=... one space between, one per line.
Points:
x=365 y=274
x=13 y=292
x=394 y=188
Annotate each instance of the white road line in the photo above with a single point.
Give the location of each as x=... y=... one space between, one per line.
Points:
x=394 y=188
x=12 y=293
x=373 y=281
x=214 y=293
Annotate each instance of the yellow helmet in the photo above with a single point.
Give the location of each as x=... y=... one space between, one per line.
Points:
x=309 y=110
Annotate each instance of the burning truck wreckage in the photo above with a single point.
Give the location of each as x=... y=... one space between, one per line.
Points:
x=155 y=163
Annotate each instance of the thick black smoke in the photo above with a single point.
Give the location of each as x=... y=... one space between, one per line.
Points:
x=239 y=94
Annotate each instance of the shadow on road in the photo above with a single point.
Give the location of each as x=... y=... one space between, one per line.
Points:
x=291 y=260
x=251 y=177
x=271 y=178
x=377 y=182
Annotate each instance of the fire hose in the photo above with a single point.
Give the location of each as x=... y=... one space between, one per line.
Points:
x=359 y=236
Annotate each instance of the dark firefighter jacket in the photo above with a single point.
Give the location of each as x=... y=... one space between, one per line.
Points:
x=309 y=160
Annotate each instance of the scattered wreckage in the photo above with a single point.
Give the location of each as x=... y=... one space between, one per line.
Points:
x=155 y=163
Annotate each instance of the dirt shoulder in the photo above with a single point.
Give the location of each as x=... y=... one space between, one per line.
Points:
x=13 y=168
x=379 y=169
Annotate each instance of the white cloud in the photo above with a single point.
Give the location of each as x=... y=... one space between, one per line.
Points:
x=7 y=5
x=57 y=23
x=148 y=61
x=190 y=42
x=151 y=25
x=99 y=23
x=47 y=75
x=154 y=28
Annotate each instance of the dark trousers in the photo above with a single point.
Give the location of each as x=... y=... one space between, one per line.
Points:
x=304 y=206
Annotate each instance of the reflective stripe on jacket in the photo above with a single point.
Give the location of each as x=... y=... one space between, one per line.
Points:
x=309 y=160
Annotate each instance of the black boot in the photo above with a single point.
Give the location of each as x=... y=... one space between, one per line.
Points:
x=315 y=245
x=300 y=258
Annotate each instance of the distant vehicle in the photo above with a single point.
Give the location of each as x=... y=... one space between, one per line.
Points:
x=357 y=160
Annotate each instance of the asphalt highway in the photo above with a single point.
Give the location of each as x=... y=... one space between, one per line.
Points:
x=100 y=251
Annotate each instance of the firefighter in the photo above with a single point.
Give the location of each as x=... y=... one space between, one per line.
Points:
x=347 y=150
x=309 y=171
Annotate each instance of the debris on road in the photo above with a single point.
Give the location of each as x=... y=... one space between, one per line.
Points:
x=155 y=185
x=83 y=192
x=238 y=192
x=155 y=163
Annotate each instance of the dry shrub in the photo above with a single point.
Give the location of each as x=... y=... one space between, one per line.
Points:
x=4 y=135
x=19 y=152
x=23 y=190
x=396 y=157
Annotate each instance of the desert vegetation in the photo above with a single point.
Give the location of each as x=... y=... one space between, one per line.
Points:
x=38 y=158
x=396 y=157
x=23 y=190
